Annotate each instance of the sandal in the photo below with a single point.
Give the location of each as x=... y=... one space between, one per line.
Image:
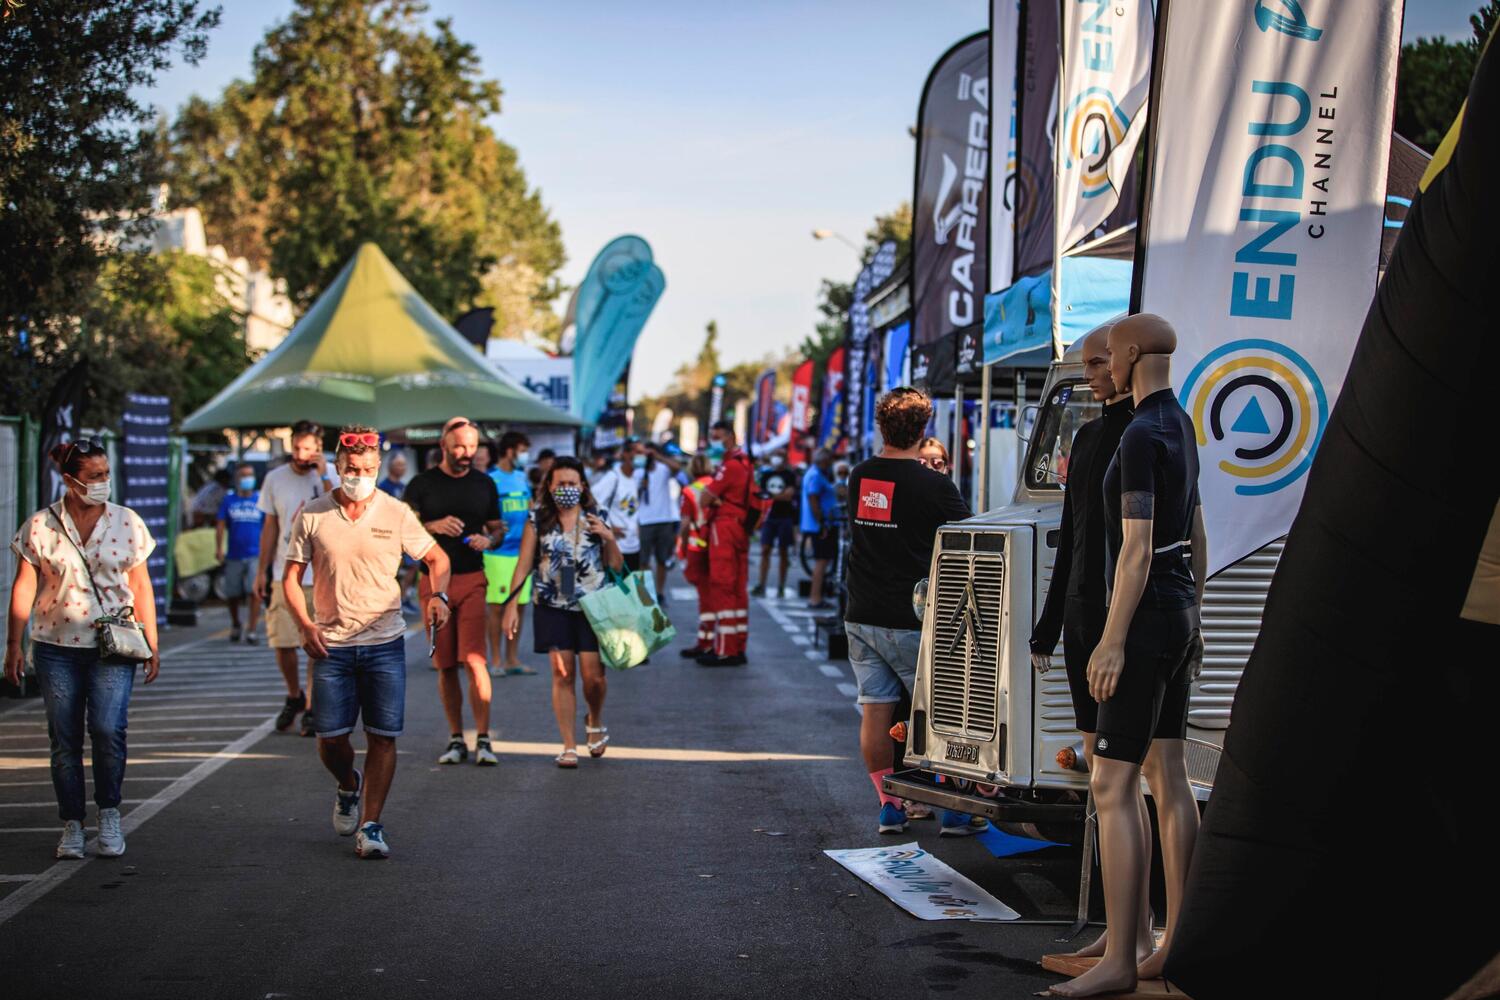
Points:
x=597 y=747
x=567 y=759
x=521 y=671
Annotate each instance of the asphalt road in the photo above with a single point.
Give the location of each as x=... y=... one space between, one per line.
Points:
x=651 y=872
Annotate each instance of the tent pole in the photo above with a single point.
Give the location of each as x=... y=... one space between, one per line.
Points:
x=982 y=467
x=958 y=435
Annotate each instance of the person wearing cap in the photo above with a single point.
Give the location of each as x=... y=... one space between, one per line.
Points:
x=461 y=508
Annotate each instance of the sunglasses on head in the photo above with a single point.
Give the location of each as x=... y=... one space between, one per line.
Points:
x=366 y=439
x=83 y=446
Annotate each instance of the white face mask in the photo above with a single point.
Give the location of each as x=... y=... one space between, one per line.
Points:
x=93 y=494
x=357 y=488
x=776 y=461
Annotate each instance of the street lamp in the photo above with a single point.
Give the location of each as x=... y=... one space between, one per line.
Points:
x=825 y=234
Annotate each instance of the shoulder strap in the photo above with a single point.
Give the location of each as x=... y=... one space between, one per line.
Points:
x=81 y=558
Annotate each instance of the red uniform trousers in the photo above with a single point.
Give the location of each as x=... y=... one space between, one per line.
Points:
x=695 y=568
x=728 y=595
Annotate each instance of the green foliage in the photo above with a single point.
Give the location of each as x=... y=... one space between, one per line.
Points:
x=1433 y=79
x=357 y=124
x=78 y=163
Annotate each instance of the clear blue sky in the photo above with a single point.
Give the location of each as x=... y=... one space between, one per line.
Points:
x=722 y=133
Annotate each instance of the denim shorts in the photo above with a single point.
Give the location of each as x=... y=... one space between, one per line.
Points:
x=884 y=661
x=355 y=681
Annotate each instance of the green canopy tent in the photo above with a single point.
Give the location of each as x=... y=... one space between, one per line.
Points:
x=372 y=351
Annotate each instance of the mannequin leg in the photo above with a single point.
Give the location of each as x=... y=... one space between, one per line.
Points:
x=1177 y=815
x=1123 y=849
x=1144 y=940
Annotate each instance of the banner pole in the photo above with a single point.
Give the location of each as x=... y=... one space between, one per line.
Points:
x=982 y=466
x=1148 y=164
x=1057 y=143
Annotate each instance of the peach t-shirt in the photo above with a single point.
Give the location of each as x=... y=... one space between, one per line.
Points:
x=355 y=592
x=65 y=606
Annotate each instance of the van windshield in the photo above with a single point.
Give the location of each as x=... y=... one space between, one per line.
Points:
x=1068 y=407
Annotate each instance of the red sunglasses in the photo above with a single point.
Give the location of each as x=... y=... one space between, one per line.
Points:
x=367 y=440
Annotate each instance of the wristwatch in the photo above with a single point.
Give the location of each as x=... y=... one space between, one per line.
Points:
x=441 y=595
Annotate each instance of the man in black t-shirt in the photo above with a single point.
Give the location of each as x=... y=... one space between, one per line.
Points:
x=778 y=483
x=896 y=505
x=460 y=507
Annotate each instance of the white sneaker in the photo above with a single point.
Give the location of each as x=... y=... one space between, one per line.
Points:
x=370 y=842
x=456 y=753
x=70 y=847
x=484 y=755
x=346 y=807
x=111 y=840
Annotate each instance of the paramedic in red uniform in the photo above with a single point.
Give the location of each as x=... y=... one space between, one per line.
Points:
x=729 y=498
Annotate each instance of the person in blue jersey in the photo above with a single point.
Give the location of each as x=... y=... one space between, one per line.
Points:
x=514 y=486
x=238 y=523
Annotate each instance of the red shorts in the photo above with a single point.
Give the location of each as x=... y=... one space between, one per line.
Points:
x=462 y=639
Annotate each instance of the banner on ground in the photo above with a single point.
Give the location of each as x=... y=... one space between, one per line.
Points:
x=1036 y=126
x=802 y=412
x=1005 y=30
x=1106 y=73
x=831 y=412
x=145 y=457
x=870 y=277
x=950 y=219
x=1262 y=234
x=922 y=885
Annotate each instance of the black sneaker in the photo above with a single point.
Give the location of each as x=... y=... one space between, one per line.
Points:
x=234 y=634
x=758 y=591
x=309 y=727
x=693 y=652
x=710 y=660
x=288 y=713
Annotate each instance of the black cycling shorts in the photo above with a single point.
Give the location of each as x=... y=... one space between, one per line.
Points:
x=1083 y=627
x=826 y=546
x=1151 y=699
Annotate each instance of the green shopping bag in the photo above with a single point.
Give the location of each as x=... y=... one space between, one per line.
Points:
x=628 y=622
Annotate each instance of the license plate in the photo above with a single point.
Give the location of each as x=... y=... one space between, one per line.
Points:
x=964 y=752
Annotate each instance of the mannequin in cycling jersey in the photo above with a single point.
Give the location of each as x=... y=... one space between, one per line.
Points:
x=1141 y=670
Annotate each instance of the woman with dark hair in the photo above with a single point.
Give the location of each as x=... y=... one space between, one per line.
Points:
x=569 y=544
x=81 y=559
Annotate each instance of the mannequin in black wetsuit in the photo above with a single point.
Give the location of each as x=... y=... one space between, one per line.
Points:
x=1141 y=670
x=1075 y=599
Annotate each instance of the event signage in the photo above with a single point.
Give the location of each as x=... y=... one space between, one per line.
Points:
x=802 y=411
x=922 y=885
x=60 y=421
x=950 y=220
x=716 y=399
x=763 y=408
x=145 y=460
x=1106 y=73
x=611 y=308
x=1036 y=121
x=870 y=277
x=1005 y=30
x=1262 y=232
x=831 y=412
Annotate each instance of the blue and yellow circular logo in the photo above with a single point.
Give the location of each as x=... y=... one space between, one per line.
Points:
x=1260 y=410
x=1093 y=125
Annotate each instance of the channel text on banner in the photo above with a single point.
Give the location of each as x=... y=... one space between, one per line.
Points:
x=1262 y=235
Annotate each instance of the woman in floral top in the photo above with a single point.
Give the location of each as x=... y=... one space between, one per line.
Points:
x=569 y=544
x=53 y=592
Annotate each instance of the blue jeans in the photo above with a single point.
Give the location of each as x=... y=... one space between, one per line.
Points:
x=80 y=691
x=884 y=661
x=361 y=680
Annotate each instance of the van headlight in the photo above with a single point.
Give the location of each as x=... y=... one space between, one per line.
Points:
x=919 y=599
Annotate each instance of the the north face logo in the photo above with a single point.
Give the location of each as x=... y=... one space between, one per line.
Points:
x=875 y=498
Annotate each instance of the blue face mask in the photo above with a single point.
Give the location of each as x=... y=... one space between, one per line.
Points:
x=247 y=483
x=716 y=451
x=521 y=459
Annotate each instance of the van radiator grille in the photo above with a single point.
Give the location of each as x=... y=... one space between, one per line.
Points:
x=1232 y=605
x=966 y=644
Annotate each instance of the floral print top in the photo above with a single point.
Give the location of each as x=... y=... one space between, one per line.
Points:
x=558 y=548
x=65 y=606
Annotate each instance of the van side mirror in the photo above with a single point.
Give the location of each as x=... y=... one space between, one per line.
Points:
x=1026 y=426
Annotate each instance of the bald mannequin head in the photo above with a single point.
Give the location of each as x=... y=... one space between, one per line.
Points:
x=1096 y=364
x=1140 y=352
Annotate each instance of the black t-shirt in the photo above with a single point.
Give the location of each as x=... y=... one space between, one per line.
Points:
x=472 y=498
x=773 y=481
x=896 y=506
x=1155 y=474
x=1078 y=571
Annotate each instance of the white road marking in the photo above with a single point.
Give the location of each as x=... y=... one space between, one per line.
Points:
x=16 y=878
x=813 y=654
x=60 y=872
x=802 y=640
x=829 y=670
x=848 y=690
x=52 y=804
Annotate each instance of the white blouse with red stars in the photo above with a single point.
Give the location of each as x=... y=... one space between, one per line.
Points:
x=65 y=607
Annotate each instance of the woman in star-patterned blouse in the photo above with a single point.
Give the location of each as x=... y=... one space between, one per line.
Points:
x=59 y=548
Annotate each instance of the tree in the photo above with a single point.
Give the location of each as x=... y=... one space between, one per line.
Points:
x=357 y=124
x=1433 y=76
x=78 y=164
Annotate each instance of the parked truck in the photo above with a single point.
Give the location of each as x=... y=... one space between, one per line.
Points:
x=990 y=735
